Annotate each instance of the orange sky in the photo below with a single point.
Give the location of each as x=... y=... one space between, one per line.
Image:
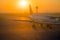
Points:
x=11 y=6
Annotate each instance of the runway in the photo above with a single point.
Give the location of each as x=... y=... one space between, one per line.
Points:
x=20 y=28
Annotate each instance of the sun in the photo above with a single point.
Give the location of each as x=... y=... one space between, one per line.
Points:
x=23 y=3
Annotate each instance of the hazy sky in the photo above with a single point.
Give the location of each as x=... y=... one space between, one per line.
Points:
x=11 y=6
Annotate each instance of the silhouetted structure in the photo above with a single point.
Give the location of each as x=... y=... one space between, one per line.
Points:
x=30 y=9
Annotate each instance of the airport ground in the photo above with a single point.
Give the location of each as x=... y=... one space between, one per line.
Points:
x=13 y=27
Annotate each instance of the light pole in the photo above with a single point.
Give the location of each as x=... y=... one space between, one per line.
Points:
x=36 y=9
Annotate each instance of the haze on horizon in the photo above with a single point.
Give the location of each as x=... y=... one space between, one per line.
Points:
x=11 y=6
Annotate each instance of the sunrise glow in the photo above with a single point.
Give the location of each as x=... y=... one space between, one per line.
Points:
x=17 y=6
x=23 y=3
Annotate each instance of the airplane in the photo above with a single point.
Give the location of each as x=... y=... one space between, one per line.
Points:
x=44 y=18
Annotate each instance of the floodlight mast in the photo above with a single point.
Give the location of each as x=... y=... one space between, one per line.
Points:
x=36 y=9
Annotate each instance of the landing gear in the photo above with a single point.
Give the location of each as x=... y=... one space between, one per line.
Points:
x=34 y=26
x=46 y=26
x=49 y=26
x=42 y=25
